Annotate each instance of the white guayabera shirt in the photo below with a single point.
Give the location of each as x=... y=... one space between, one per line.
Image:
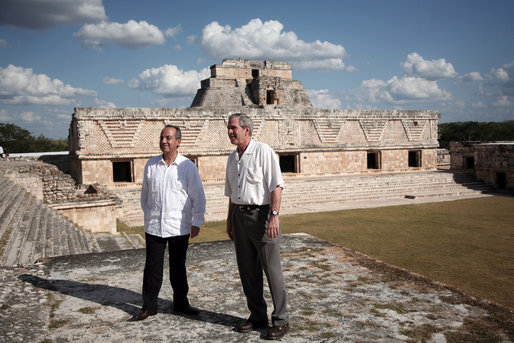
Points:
x=251 y=179
x=172 y=197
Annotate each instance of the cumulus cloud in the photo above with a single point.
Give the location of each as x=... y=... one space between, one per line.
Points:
x=170 y=81
x=499 y=74
x=323 y=99
x=29 y=117
x=4 y=116
x=417 y=66
x=43 y=15
x=473 y=76
x=173 y=31
x=112 y=81
x=131 y=34
x=20 y=85
x=502 y=101
x=267 y=40
x=401 y=90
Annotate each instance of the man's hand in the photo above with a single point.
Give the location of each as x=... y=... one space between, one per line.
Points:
x=195 y=230
x=273 y=227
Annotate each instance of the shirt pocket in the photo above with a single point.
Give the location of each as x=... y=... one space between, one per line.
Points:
x=254 y=174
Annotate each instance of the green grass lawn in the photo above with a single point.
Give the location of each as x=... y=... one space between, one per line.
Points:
x=468 y=244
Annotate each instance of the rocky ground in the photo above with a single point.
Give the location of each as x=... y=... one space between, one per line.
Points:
x=335 y=295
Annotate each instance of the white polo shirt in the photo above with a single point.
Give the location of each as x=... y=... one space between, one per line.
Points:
x=251 y=179
x=172 y=197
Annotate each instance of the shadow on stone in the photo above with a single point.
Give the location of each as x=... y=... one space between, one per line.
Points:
x=121 y=299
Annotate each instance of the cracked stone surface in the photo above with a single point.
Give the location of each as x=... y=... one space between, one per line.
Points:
x=335 y=295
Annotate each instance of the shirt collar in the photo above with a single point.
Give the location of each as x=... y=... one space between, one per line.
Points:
x=179 y=159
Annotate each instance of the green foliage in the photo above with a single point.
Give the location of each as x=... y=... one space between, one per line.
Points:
x=15 y=139
x=471 y=131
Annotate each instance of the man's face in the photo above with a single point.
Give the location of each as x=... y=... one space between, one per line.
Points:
x=168 y=142
x=236 y=133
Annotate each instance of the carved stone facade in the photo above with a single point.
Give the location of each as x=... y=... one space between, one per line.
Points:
x=493 y=163
x=110 y=146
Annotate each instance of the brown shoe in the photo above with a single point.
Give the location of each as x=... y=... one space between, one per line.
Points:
x=277 y=332
x=145 y=314
x=249 y=325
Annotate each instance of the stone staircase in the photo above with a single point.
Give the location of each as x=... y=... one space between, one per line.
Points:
x=30 y=230
x=302 y=192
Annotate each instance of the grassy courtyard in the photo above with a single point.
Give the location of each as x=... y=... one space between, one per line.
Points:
x=468 y=244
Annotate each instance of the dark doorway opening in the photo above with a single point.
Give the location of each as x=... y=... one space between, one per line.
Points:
x=288 y=163
x=122 y=171
x=271 y=97
x=501 y=180
x=469 y=162
x=373 y=160
x=415 y=158
x=255 y=73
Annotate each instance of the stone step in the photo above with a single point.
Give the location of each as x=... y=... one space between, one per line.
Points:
x=20 y=228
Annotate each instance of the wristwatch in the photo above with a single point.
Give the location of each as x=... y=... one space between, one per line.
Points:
x=274 y=213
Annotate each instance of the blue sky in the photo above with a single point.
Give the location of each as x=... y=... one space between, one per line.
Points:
x=456 y=57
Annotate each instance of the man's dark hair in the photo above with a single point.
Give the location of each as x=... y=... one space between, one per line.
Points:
x=177 y=129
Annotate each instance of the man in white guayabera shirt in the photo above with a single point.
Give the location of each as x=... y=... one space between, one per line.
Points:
x=173 y=201
x=254 y=185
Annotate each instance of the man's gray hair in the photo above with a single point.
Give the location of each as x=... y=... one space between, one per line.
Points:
x=244 y=120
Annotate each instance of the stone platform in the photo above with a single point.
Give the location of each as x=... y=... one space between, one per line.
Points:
x=335 y=295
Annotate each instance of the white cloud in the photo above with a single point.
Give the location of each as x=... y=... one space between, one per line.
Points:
x=502 y=101
x=4 y=116
x=267 y=40
x=131 y=34
x=169 y=80
x=104 y=103
x=323 y=99
x=29 y=117
x=473 y=76
x=43 y=15
x=112 y=81
x=499 y=74
x=3 y=43
x=173 y=31
x=417 y=66
x=403 y=90
x=20 y=85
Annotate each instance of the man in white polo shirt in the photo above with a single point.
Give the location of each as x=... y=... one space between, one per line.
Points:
x=173 y=202
x=254 y=184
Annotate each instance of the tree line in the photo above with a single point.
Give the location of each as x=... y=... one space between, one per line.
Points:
x=15 y=139
x=472 y=131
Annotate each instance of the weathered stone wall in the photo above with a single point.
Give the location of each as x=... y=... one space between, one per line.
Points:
x=493 y=159
x=90 y=207
x=103 y=136
x=459 y=152
x=94 y=216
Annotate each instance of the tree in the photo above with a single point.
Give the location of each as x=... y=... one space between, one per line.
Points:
x=15 y=139
x=471 y=131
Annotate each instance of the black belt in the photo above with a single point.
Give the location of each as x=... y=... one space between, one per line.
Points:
x=252 y=207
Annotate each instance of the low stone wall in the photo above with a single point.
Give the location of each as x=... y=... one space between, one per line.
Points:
x=94 y=216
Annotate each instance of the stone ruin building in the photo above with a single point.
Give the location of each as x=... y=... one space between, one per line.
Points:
x=491 y=162
x=110 y=146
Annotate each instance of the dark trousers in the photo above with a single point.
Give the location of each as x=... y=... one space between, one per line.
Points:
x=152 y=278
x=256 y=253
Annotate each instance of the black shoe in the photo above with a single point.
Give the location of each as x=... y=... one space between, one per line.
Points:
x=277 y=332
x=249 y=325
x=145 y=314
x=187 y=309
